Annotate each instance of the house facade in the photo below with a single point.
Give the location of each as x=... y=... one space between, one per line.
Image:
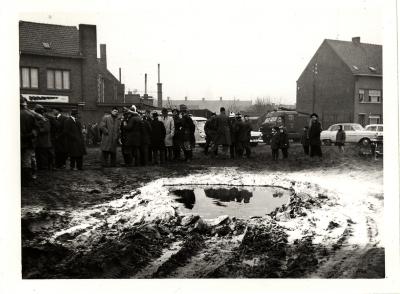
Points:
x=59 y=67
x=343 y=83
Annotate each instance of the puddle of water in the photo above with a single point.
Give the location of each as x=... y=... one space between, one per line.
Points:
x=241 y=202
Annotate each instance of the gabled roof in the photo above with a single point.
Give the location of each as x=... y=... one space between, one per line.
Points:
x=361 y=58
x=61 y=40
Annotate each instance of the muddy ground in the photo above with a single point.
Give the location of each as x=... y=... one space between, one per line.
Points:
x=122 y=222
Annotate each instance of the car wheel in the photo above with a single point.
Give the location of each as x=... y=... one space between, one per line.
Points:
x=364 y=142
x=327 y=142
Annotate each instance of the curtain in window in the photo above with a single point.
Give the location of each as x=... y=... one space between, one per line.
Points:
x=25 y=77
x=66 y=79
x=34 y=78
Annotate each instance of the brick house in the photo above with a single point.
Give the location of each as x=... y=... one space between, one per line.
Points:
x=343 y=83
x=59 y=66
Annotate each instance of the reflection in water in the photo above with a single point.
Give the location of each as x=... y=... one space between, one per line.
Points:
x=186 y=197
x=227 y=195
x=234 y=201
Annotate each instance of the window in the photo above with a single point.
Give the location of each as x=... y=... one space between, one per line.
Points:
x=374 y=96
x=29 y=77
x=290 y=117
x=361 y=95
x=371 y=128
x=380 y=128
x=58 y=79
x=348 y=128
x=334 y=128
x=374 y=119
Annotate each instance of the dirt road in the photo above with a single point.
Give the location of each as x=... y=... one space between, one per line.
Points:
x=123 y=222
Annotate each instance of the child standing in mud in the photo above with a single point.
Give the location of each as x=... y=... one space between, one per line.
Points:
x=275 y=143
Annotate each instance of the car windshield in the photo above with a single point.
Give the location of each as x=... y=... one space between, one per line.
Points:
x=370 y=128
x=270 y=119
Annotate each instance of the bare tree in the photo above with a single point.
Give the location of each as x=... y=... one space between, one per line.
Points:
x=262 y=105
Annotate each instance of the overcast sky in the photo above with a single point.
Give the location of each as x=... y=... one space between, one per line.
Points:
x=234 y=49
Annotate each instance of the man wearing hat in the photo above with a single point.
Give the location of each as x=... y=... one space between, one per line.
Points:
x=44 y=156
x=133 y=129
x=59 y=142
x=28 y=131
x=109 y=127
x=188 y=129
x=210 y=130
x=170 y=131
x=74 y=140
x=223 y=136
x=157 y=139
x=314 y=132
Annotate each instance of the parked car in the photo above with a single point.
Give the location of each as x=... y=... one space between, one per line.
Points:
x=293 y=121
x=377 y=128
x=355 y=133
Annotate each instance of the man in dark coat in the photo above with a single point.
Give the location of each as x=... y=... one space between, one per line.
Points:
x=146 y=141
x=283 y=141
x=59 y=139
x=134 y=130
x=244 y=136
x=223 y=136
x=233 y=130
x=44 y=156
x=178 y=135
x=188 y=129
x=157 y=139
x=126 y=151
x=28 y=131
x=109 y=126
x=210 y=129
x=314 y=134
x=275 y=143
x=74 y=139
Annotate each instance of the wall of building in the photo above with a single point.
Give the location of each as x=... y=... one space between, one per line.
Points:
x=373 y=83
x=334 y=88
x=45 y=62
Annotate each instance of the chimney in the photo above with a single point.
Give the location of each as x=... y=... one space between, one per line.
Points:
x=145 y=84
x=356 y=40
x=103 y=55
x=120 y=75
x=159 y=89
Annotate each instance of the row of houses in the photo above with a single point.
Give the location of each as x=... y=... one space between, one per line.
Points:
x=59 y=66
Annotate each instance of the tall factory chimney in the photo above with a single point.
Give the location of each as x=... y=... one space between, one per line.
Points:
x=120 y=75
x=145 y=84
x=159 y=89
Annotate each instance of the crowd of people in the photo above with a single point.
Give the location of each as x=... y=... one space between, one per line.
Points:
x=49 y=138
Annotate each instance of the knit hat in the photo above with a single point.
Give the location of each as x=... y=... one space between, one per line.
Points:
x=314 y=114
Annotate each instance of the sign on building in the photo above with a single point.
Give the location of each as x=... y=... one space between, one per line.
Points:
x=46 y=98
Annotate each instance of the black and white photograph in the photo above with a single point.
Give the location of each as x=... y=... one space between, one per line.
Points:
x=242 y=145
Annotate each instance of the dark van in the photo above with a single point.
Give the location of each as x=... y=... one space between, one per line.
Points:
x=292 y=120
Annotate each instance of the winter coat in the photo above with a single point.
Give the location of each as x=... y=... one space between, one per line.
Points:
x=146 y=136
x=60 y=143
x=275 y=141
x=314 y=133
x=157 y=134
x=233 y=129
x=134 y=130
x=304 y=140
x=27 y=128
x=169 y=129
x=109 y=127
x=178 y=134
x=283 y=140
x=43 y=139
x=188 y=129
x=223 y=136
x=210 y=128
x=244 y=131
x=74 y=138
x=341 y=137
